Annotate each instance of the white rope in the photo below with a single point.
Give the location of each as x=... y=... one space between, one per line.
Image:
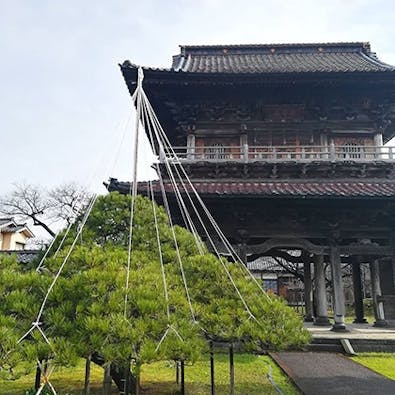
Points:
x=169 y=328
x=184 y=280
x=162 y=267
x=91 y=177
x=159 y=134
x=218 y=230
x=37 y=323
x=46 y=374
x=183 y=209
x=134 y=183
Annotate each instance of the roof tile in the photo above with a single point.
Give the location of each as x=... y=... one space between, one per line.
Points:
x=337 y=189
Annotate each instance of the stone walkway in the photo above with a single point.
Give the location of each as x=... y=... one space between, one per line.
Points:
x=317 y=373
x=355 y=331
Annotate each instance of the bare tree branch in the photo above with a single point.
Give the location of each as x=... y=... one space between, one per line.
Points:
x=27 y=202
x=43 y=208
x=68 y=201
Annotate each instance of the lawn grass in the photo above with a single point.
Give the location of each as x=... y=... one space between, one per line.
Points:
x=383 y=363
x=349 y=319
x=159 y=378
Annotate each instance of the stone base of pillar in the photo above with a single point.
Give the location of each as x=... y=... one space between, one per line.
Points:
x=308 y=318
x=337 y=327
x=322 y=321
x=380 y=323
x=360 y=321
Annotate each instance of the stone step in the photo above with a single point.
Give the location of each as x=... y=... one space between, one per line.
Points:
x=359 y=345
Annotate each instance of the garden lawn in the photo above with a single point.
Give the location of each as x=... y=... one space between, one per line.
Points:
x=383 y=363
x=159 y=378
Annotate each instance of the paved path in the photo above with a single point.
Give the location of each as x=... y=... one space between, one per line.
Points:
x=317 y=373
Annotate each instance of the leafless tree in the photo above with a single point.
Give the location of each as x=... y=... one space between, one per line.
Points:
x=68 y=201
x=44 y=208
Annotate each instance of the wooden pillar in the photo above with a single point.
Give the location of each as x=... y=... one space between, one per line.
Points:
x=242 y=252
x=358 y=291
x=308 y=292
x=191 y=146
x=321 y=317
x=338 y=291
x=376 y=294
x=378 y=140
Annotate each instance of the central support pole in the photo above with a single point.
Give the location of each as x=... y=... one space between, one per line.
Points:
x=358 y=294
x=338 y=292
x=308 y=292
x=321 y=318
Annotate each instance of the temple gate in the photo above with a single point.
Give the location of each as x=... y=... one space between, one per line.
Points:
x=285 y=144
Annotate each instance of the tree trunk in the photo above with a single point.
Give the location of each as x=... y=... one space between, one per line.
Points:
x=37 y=222
x=137 y=389
x=37 y=381
x=87 y=382
x=107 y=381
x=117 y=374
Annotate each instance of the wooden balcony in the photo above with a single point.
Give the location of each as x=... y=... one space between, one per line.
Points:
x=273 y=154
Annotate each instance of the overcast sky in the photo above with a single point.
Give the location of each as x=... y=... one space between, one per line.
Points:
x=63 y=103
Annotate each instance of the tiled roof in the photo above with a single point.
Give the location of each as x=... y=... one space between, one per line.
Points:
x=266 y=264
x=16 y=228
x=23 y=256
x=277 y=58
x=331 y=189
x=6 y=221
x=299 y=58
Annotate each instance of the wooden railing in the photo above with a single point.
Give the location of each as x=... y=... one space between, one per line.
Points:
x=308 y=153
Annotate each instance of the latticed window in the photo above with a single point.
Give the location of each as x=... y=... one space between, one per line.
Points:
x=216 y=151
x=351 y=151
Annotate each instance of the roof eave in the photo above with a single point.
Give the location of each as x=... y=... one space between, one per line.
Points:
x=161 y=76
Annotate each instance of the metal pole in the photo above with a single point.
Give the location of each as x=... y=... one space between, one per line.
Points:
x=182 y=378
x=231 y=370
x=212 y=369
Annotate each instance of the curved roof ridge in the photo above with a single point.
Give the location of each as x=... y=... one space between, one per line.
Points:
x=259 y=59
x=375 y=60
x=350 y=46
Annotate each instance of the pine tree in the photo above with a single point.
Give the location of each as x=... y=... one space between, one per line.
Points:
x=86 y=314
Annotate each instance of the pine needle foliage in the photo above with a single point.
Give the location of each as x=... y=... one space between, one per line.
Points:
x=86 y=312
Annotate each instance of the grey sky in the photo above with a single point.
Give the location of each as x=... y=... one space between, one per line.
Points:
x=62 y=96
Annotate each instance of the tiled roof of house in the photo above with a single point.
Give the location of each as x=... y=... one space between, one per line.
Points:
x=23 y=256
x=269 y=264
x=330 y=189
x=12 y=228
x=277 y=58
x=6 y=221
